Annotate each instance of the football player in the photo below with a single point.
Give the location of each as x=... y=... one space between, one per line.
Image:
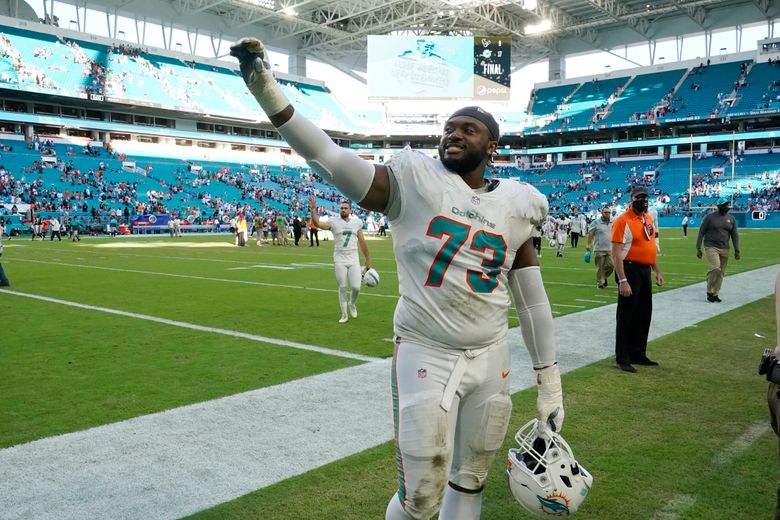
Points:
x=347 y=235
x=461 y=243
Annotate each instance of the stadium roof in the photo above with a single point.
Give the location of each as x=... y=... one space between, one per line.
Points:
x=335 y=31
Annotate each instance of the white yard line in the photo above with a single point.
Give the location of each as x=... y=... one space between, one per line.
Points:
x=741 y=444
x=193 y=326
x=194 y=277
x=678 y=505
x=174 y=463
x=675 y=507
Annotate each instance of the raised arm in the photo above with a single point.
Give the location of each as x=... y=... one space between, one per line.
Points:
x=314 y=218
x=363 y=182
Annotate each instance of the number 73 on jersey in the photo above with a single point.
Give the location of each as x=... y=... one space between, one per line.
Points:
x=455 y=234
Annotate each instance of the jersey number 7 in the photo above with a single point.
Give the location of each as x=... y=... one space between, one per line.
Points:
x=457 y=234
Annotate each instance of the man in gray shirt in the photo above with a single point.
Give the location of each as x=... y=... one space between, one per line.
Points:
x=600 y=243
x=715 y=230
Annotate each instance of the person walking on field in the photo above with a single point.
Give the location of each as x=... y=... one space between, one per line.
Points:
x=462 y=243
x=347 y=236
x=715 y=231
x=599 y=242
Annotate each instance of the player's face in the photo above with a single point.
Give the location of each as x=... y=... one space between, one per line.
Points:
x=465 y=145
x=345 y=210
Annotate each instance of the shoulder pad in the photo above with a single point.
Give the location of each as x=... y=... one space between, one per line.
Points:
x=402 y=161
x=532 y=204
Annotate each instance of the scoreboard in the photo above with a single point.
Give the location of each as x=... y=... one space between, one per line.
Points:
x=492 y=61
x=439 y=67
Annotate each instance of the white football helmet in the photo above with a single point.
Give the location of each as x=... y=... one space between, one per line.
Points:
x=543 y=474
x=370 y=278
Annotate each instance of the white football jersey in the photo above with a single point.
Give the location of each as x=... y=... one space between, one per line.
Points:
x=454 y=247
x=345 y=240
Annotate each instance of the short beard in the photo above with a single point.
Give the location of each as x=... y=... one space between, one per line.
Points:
x=463 y=166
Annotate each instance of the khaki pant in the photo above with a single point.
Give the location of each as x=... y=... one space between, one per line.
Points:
x=717 y=260
x=604 y=266
x=774 y=412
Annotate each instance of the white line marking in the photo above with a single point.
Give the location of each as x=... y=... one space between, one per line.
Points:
x=567 y=305
x=193 y=326
x=590 y=301
x=742 y=443
x=675 y=507
x=262 y=266
x=193 y=277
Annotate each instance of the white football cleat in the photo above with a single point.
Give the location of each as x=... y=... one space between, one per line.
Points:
x=343 y=319
x=353 y=310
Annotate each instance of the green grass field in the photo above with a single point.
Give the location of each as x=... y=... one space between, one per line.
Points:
x=650 y=441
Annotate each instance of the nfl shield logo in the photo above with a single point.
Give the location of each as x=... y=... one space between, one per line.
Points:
x=475 y=200
x=422 y=373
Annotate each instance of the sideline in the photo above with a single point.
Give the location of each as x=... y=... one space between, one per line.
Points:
x=175 y=463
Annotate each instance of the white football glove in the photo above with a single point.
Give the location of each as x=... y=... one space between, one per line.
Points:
x=549 y=400
x=256 y=71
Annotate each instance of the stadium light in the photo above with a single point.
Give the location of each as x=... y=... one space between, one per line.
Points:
x=536 y=28
x=529 y=5
x=289 y=11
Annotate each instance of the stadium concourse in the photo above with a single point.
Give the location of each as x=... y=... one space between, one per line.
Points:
x=154 y=466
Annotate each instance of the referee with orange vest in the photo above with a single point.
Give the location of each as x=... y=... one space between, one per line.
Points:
x=634 y=256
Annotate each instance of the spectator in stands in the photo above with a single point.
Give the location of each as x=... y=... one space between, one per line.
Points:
x=634 y=256
x=715 y=231
x=599 y=242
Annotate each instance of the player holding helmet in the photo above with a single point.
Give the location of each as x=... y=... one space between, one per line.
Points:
x=461 y=243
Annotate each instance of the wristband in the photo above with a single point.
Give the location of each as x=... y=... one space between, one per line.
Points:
x=623 y=280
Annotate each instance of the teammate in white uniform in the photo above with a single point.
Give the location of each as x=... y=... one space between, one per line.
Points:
x=462 y=244
x=562 y=224
x=347 y=235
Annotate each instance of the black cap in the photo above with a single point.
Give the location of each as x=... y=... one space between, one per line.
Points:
x=638 y=190
x=483 y=116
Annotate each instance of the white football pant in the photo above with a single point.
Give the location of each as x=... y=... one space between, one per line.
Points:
x=348 y=275
x=451 y=411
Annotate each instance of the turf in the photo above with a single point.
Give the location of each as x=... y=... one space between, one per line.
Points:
x=68 y=369
x=648 y=440
x=651 y=440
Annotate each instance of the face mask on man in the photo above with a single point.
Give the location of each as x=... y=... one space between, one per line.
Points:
x=639 y=205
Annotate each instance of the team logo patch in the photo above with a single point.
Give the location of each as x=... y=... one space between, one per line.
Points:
x=554 y=504
x=422 y=373
x=475 y=200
